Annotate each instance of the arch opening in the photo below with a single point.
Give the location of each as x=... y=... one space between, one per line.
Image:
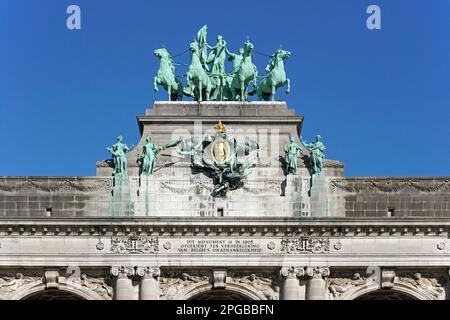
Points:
x=220 y=294
x=385 y=294
x=53 y=294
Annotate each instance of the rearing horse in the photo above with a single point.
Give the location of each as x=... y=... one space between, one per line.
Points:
x=197 y=78
x=166 y=76
x=276 y=77
x=245 y=74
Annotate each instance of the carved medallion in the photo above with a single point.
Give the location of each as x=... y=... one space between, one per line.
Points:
x=220 y=150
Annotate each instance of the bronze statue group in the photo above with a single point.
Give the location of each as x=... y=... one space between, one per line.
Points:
x=206 y=79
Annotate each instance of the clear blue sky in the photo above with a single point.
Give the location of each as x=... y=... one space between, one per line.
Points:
x=380 y=99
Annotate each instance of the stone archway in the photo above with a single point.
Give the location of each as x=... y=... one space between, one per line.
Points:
x=53 y=294
x=385 y=294
x=221 y=294
x=232 y=291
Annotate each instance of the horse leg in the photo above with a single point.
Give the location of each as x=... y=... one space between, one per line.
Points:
x=288 y=82
x=273 y=92
x=200 y=89
x=169 y=91
x=243 y=97
x=155 y=81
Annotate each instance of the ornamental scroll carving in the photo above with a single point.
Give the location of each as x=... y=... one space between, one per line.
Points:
x=305 y=245
x=134 y=245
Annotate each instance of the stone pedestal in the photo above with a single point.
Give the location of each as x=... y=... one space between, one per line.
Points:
x=319 y=196
x=121 y=204
x=123 y=287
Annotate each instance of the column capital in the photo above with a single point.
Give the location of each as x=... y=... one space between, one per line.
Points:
x=148 y=272
x=122 y=271
x=292 y=272
x=317 y=272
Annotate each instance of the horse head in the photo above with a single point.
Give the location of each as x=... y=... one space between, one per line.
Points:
x=248 y=48
x=278 y=56
x=193 y=46
x=161 y=53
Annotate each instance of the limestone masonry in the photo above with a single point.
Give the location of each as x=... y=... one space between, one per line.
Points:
x=272 y=236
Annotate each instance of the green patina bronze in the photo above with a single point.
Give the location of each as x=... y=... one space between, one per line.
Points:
x=292 y=154
x=276 y=78
x=119 y=151
x=166 y=76
x=199 y=84
x=220 y=156
x=147 y=156
x=207 y=79
x=316 y=156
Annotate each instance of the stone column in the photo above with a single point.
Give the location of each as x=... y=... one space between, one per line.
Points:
x=148 y=287
x=316 y=285
x=124 y=286
x=290 y=287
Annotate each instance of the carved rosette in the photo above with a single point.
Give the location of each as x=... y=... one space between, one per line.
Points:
x=148 y=272
x=122 y=272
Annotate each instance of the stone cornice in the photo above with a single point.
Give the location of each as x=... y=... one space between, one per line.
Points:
x=323 y=227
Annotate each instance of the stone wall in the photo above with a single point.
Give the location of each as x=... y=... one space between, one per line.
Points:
x=389 y=196
x=182 y=196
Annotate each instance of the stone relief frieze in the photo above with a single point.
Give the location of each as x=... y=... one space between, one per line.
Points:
x=394 y=185
x=55 y=184
x=428 y=284
x=305 y=245
x=264 y=282
x=99 y=284
x=10 y=283
x=134 y=245
x=344 y=283
x=197 y=188
x=174 y=283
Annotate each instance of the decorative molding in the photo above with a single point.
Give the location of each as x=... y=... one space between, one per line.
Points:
x=134 y=244
x=305 y=245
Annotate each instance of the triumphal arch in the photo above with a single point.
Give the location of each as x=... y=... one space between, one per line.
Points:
x=222 y=198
